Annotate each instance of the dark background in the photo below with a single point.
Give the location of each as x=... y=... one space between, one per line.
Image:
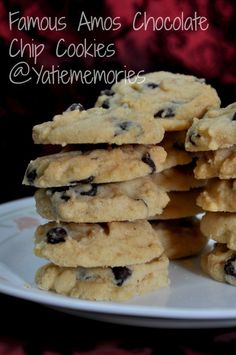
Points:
x=210 y=54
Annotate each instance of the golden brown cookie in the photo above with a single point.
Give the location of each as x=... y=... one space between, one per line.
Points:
x=218 y=196
x=219 y=163
x=105 y=284
x=97 y=125
x=220 y=264
x=220 y=226
x=90 y=203
x=93 y=245
x=216 y=130
x=98 y=166
x=173 y=99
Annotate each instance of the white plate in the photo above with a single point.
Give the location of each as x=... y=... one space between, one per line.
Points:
x=192 y=300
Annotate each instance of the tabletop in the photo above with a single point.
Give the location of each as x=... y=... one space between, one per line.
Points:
x=27 y=328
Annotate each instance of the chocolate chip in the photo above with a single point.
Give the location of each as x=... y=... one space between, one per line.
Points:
x=193 y=136
x=158 y=113
x=106 y=104
x=121 y=273
x=91 y=192
x=84 y=181
x=31 y=175
x=62 y=189
x=147 y=160
x=65 y=198
x=125 y=125
x=152 y=85
x=56 y=235
x=121 y=127
x=58 y=189
x=75 y=106
x=234 y=117
x=107 y=92
x=229 y=267
x=165 y=113
x=105 y=228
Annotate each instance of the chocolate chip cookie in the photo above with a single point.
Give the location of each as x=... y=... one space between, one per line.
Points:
x=96 y=166
x=218 y=196
x=220 y=264
x=105 y=284
x=172 y=99
x=219 y=163
x=89 y=203
x=221 y=227
x=115 y=126
x=216 y=130
x=93 y=245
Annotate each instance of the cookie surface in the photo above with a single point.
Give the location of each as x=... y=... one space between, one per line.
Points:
x=220 y=264
x=219 y=163
x=180 y=238
x=97 y=125
x=218 y=196
x=173 y=99
x=93 y=245
x=216 y=130
x=182 y=204
x=89 y=203
x=221 y=227
x=105 y=284
x=97 y=166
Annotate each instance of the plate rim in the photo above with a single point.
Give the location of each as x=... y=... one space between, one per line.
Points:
x=31 y=293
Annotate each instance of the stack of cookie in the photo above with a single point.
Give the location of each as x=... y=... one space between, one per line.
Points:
x=215 y=137
x=177 y=226
x=174 y=100
x=100 y=243
x=109 y=180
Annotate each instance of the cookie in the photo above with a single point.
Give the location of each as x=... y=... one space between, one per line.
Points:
x=220 y=264
x=180 y=238
x=172 y=99
x=173 y=143
x=90 y=203
x=102 y=165
x=219 y=163
x=97 y=125
x=216 y=130
x=98 y=166
x=218 y=196
x=178 y=178
x=182 y=204
x=93 y=245
x=221 y=227
x=105 y=284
